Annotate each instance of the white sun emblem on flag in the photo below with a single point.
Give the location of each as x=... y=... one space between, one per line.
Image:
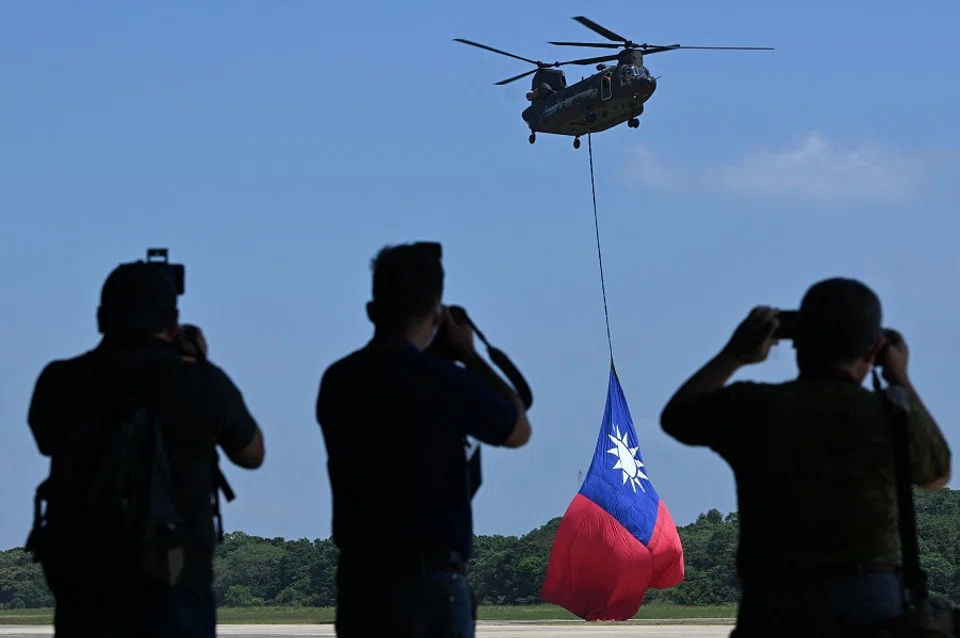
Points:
x=627 y=461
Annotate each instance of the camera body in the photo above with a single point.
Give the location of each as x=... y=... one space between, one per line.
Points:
x=790 y=323
x=176 y=272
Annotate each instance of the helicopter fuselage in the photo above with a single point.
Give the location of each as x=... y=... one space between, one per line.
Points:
x=614 y=96
x=601 y=101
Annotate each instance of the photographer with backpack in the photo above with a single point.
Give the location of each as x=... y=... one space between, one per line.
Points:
x=126 y=523
x=815 y=464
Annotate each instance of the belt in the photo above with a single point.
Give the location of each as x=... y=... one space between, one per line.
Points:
x=806 y=576
x=405 y=562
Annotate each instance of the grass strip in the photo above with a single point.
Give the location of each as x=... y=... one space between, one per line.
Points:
x=653 y=614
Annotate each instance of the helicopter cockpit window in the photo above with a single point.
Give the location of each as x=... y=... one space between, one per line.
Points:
x=630 y=74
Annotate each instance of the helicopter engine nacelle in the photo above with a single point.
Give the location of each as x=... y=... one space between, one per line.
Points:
x=531 y=96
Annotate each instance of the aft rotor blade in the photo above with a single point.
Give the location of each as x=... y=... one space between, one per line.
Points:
x=673 y=47
x=509 y=55
x=598 y=45
x=607 y=33
x=731 y=48
x=516 y=77
x=585 y=61
x=649 y=49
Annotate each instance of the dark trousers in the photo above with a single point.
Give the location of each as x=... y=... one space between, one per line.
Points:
x=98 y=613
x=386 y=602
x=846 y=605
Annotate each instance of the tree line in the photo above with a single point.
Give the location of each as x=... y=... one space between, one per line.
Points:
x=505 y=570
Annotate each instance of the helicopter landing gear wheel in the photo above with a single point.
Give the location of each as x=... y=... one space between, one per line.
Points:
x=633 y=123
x=532 y=138
x=576 y=142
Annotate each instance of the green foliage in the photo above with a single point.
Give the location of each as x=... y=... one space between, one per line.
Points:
x=253 y=572
x=21 y=582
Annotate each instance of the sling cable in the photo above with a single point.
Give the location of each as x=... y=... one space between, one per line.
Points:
x=596 y=571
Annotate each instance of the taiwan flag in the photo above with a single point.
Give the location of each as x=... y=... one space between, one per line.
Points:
x=617 y=538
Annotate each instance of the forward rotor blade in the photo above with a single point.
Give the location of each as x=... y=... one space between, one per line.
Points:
x=598 y=45
x=516 y=77
x=509 y=55
x=596 y=28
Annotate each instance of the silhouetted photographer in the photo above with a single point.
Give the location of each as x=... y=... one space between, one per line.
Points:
x=126 y=523
x=815 y=461
x=395 y=415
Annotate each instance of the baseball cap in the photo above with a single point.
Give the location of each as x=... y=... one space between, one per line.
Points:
x=137 y=297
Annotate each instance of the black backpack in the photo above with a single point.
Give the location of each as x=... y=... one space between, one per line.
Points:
x=107 y=509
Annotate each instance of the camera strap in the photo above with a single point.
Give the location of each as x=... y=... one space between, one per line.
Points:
x=897 y=404
x=502 y=361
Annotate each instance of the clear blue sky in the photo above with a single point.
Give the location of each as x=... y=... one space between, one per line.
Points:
x=275 y=146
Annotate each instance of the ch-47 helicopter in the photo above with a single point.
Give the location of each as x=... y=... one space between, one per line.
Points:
x=596 y=103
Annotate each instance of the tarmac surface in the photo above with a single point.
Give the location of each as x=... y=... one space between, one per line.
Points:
x=484 y=630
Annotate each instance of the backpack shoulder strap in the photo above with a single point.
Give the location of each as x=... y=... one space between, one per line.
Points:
x=220 y=484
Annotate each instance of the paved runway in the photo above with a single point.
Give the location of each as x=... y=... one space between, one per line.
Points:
x=484 y=630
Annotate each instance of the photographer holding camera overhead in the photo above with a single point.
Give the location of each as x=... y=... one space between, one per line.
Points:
x=131 y=517
x=394 y=417
x=814 y=464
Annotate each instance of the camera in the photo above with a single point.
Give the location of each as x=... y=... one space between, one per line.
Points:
x=176 y=272
x=891 y=337
x=790 y=323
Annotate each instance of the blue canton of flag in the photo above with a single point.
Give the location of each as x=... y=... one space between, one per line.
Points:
x=617 y=479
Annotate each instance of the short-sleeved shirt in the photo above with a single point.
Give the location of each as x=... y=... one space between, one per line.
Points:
x=198 y=408
x=813 y=462
x=394 y=422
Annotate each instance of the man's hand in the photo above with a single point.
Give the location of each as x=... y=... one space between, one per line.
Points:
x=191 y=342
x=753 y=338
x=895 y=358
x=457 y=337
